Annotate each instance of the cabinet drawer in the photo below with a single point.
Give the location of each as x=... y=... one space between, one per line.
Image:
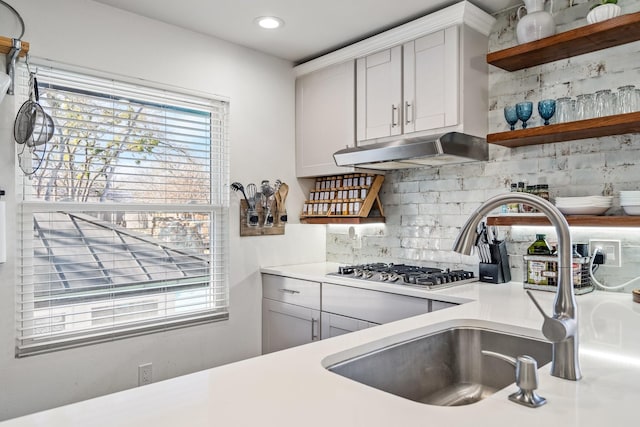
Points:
x=439 y=305
x=372 y=306
x=292 y=291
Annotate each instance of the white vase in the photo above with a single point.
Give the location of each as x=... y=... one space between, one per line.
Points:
x=603 y=12
x=536 y=24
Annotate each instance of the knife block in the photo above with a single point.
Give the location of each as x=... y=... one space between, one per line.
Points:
x=498 y=270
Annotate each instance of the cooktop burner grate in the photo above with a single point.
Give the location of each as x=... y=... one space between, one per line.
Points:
x=410 y=275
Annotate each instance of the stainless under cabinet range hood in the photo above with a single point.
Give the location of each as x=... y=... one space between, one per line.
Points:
x=452 y=147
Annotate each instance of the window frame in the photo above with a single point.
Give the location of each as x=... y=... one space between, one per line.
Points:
x=217 y=209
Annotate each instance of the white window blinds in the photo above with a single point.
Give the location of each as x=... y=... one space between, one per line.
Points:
x=123 y=223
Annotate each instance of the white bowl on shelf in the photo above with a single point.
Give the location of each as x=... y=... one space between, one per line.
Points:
x=632 y=209
x=603 y=12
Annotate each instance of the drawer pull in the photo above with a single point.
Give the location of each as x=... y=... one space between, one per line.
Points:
x=314 y=334
x=289 y=291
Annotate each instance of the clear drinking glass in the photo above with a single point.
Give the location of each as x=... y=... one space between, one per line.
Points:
x=626 y=99
x=603 y=103
x=585 y=106
x=564 y=110
x=252 y=218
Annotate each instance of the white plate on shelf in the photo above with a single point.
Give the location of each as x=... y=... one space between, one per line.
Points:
x=584 y=201
x=583 y=210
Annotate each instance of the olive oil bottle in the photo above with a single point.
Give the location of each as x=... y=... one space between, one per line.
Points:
x=540 y=246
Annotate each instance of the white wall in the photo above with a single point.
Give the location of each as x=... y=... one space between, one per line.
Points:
x=261 y=91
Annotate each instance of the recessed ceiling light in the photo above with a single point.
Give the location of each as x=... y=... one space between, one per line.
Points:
x=269 y=22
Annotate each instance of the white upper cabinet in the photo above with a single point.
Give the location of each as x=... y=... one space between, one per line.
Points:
x=410 y=88
x=430 y=84
x=423 y=78
x=379 y=94
x=325 y=119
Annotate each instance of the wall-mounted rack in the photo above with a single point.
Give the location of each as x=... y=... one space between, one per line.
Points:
x=260 y=230
x=345 y=199
x=7 y=44
x=14 y=49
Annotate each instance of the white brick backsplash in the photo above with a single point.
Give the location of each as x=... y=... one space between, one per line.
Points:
x=425 y=207
x=441 y=185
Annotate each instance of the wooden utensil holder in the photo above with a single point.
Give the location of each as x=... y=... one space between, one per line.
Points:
x=260 y=230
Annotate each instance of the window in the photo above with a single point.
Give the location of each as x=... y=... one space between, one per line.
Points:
x=123 y=220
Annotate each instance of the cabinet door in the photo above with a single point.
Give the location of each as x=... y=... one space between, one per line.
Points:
x=287 y=325
x=431 y=75
x=379 y=95
x=372 y=306
x=333 y=325
x=325 y=119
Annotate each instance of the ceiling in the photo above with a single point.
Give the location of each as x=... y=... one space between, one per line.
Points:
x=312 y=27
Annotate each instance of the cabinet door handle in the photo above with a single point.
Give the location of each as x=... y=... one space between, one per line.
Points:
x=394 y=110
x=289 y=291
x=407 y=106
x=314 y=334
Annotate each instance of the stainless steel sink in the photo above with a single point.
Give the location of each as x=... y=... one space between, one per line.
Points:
x=445 y=368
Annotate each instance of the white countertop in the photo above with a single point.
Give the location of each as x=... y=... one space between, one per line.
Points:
x=292 y=388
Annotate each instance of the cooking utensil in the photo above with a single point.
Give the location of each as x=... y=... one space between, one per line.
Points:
x=252 y=190
x=283 y=191
x=33 y=126
x=267 y=200
x=252 y=215
x=236 y=186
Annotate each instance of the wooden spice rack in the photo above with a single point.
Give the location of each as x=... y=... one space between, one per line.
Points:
x=345 y=199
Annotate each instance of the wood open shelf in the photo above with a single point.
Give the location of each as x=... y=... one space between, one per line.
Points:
x=590 y=128
x=6 y=43
x=342 y=220
x=371 y=210
x=573 y=220
x=613 y=32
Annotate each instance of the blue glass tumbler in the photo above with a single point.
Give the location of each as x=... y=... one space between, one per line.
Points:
x=511 y=116
x=523 y=111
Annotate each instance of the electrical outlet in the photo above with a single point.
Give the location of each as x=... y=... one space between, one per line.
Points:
x=145 y=374
x=611 y=250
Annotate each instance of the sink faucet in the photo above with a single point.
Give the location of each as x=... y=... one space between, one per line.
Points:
x=562 y=327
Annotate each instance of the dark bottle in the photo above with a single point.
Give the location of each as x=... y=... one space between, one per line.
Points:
x=540 y=246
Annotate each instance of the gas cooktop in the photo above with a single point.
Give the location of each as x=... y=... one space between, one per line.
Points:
x=408 y=275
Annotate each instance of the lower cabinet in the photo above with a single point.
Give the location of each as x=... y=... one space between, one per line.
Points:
x=287 y=325
x=292 y=316
x=290 y=312
x=332 y=325
x=371 y=306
